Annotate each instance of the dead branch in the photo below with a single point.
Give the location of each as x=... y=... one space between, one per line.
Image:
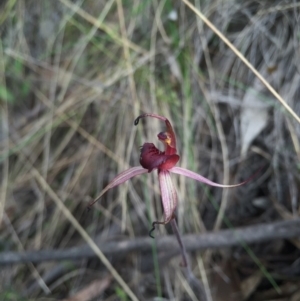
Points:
x=166 y=244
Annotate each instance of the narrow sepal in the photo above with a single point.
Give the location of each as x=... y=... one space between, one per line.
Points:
x=168 y=194
x=121 y=178
x=197 y=177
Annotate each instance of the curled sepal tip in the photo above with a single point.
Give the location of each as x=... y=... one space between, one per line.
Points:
x=168 y=137
x=152 y=230
x=136 y=121
x=153 y=227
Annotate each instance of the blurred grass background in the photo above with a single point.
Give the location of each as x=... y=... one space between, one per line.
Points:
x=73 y=77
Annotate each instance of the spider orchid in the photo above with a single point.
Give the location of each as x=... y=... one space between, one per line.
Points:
x=164 y=162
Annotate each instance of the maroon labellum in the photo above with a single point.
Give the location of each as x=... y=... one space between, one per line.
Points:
x=152 y=158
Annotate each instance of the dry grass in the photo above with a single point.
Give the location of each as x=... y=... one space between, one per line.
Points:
x=73 y=77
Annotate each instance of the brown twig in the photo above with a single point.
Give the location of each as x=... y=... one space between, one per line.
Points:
x=193 y=242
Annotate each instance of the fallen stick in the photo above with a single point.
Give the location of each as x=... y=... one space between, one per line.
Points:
x=193 y=242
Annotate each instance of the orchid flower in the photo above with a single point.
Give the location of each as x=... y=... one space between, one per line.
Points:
x=164 y=162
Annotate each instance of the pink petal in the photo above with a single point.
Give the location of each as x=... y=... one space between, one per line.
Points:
x=197 y=177
x=168 y=194
x=121 y=178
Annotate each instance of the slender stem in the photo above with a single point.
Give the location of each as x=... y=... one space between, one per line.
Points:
x=195 y=284
x=182 y=247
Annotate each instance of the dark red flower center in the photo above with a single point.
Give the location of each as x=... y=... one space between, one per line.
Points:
x=151 y=157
